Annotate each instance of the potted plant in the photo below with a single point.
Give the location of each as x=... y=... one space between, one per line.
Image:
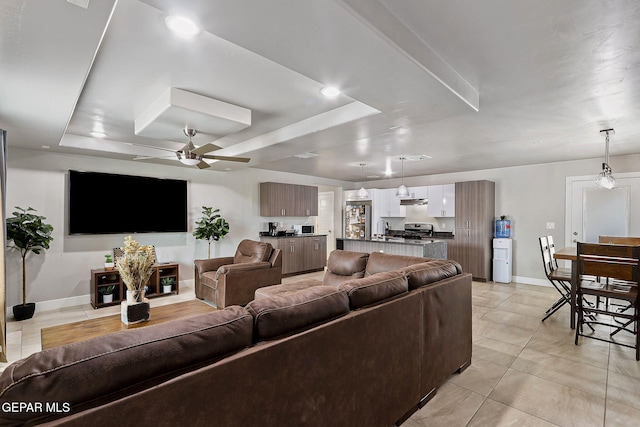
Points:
x=167 y=284
x=29 y=233
x=108 y=262
x=210 y=227
x=107 y=293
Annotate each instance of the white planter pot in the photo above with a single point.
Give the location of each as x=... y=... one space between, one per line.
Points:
x=166 y=288
x=106 y=299
x=109 y=265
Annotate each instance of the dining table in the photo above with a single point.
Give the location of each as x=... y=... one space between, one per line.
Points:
x=570 y=253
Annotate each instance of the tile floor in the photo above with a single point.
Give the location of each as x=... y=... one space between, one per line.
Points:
x=524 y=372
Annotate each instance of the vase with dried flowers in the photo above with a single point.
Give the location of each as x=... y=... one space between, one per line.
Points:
x=135 y=267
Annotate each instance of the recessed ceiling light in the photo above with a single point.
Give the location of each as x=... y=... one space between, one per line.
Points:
x=330 y=91
x=418 y=157
x=46 y=147
x=98 y=134
x=182 y=26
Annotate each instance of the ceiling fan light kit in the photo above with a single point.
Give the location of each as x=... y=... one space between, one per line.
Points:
x=605 y=178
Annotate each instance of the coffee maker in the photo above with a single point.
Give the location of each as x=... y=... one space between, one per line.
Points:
x=273 y=229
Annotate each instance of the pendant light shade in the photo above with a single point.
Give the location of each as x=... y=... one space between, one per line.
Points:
x=403 y=191
x=362 y=192
x=606 y=179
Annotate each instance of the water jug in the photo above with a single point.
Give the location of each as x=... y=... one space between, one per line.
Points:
x=503 y=228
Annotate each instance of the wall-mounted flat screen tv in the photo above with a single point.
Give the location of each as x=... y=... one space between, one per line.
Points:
x=104 y=203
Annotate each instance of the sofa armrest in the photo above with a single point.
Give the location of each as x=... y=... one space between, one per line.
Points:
x=211 y=264
x=245 y=266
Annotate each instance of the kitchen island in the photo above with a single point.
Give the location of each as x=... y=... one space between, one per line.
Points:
x=428 y=248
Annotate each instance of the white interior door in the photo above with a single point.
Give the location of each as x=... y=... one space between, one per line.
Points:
x=325 y=218
x=593 y=211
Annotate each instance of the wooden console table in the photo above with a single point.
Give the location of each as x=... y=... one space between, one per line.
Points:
x=101 y=278
x=92 y=328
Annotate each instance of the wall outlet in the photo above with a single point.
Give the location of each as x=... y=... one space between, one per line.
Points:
x=551 y=225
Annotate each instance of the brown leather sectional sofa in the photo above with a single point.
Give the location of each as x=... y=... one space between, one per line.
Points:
x=365 y=347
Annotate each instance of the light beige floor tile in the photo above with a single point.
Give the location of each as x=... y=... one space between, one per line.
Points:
x=495 y=351
x=524 y=309
x=495 y=414
x=535 y=301
x=484 y=301
x=511 y=334
x=481 y=376
x=512 y=319
x=560 y=343
x=489 y=293
x=576 y=375
x=623 y=360
x=619 y=415
x=553 y=402
x=623 y=389
x=452 y=406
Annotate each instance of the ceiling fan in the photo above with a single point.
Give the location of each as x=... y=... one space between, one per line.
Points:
x=194 y=156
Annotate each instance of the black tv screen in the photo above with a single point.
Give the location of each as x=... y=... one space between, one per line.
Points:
x=103 y=203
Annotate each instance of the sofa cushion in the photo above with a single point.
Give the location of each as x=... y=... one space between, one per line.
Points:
x=429 y=272
x=343 y=266
x=376 y=288
x=269 y=291
x=292 y=312
x=121 y=362
x=252 y=251
x=379 y=262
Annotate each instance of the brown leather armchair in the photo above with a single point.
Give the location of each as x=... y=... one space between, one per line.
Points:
x=233 y=280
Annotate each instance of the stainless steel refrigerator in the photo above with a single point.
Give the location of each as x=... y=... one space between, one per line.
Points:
x=357 y=220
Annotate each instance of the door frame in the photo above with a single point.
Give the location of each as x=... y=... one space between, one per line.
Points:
x=570 y=181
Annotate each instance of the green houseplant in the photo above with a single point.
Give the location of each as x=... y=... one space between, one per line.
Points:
x=107 y=293
x=210 y=227
x=29 y=233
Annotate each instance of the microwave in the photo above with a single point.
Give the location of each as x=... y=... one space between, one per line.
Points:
x=304 y=229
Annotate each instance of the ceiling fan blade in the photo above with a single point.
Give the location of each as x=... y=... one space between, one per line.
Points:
x=203 y=165
x=153 y=147
x=206 y=148
x=153 y=157
x=229 y=159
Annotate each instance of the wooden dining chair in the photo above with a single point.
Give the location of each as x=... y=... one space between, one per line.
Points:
x=619 y=240
x=618 y=267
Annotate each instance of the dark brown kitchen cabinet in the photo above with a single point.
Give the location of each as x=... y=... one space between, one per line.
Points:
x=279 y=199
x=300 y=253
x=475 y=214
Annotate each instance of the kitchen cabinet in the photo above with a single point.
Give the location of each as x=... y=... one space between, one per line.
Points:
x=421 y=192
x=475 y=213
x=441 y=200
x=300 y=253
x=386 y=204
x=279 y=199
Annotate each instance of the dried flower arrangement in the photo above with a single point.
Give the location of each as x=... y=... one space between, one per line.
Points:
x=135 y=266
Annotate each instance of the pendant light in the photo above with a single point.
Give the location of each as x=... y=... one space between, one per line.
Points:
x=605 y=179
x=403 y=191
x=362 y=192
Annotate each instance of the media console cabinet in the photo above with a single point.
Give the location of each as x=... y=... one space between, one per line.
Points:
x=101 y=278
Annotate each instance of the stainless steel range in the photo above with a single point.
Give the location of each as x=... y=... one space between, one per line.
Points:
x=416 y=230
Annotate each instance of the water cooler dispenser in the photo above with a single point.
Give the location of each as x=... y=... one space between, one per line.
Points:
x=502 y=252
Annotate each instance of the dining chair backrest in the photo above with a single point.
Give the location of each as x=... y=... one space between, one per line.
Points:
x=547 y=260
x=621 y=262
x=552 y=251
x=619 y=240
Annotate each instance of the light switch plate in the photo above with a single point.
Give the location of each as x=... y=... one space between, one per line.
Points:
x=551 y=225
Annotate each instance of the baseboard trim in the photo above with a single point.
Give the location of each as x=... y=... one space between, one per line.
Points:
x=57 y=304
x=531 y=281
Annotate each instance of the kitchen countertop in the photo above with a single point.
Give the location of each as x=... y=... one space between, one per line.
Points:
x=399 y=240
x=294 y=235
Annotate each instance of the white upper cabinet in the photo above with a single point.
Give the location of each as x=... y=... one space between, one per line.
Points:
x=419 y=192
x=442 y=201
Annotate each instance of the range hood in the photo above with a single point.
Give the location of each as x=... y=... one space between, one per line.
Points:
x=413 y=202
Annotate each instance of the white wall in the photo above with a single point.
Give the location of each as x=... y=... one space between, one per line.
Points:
x=61 y=275
x=530 y=196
